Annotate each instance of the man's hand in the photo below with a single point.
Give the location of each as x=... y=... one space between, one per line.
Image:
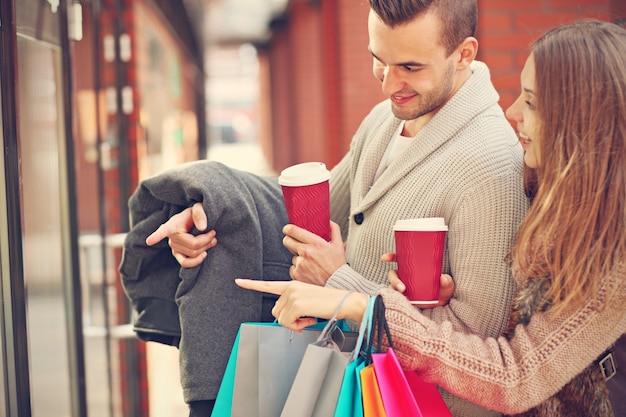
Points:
x=314 y=259
x=189 y=250
x=446 y=289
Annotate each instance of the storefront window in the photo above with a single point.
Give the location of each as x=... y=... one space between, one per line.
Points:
x=44 y=206
x=41 y=130
x=3 y=255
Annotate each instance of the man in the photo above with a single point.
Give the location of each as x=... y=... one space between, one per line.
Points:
x=439 y=146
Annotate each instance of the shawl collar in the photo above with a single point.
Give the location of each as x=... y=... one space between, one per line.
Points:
x=474 y=97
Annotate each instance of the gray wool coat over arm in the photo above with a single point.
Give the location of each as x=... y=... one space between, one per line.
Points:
x=200 y=309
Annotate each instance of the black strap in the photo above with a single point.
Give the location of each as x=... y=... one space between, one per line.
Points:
x=379 y=325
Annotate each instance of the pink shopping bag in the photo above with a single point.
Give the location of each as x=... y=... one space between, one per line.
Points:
x=404 y=393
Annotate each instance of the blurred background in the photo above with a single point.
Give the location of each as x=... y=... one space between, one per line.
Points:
x=97 y=95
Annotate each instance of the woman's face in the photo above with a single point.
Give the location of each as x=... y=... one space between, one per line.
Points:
x=524 y=113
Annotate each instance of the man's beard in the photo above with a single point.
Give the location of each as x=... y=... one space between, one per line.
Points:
x=428 y=102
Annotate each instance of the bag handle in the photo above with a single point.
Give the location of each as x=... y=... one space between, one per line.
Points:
x=380 y=325
x=366 y=325
x=325 y=338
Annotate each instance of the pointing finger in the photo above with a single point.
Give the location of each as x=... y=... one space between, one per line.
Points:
x=271 y=287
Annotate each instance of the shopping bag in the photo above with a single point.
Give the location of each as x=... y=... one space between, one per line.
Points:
x=372 y=400
x=320 y=379
x=223 y=402
x=317 y=384
x=404 y=393
x=349 y=402
x=427 y=396
x=262 y=365
x=267 y=362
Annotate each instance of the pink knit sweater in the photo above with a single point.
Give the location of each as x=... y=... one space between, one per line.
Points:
x=514 y=375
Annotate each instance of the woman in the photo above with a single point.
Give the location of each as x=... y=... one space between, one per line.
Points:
x=570 y=258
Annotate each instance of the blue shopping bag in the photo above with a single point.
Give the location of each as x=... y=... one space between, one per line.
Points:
x=223 y=403
x=349 y=403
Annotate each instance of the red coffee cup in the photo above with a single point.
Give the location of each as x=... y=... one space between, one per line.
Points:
x=307 y=198
x=420 y=244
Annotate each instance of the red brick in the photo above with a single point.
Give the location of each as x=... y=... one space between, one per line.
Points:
x=579 y=3
x=542 y=21
x=510 y=41
x=601 y=15
x=520 y=59
x=509 y=82
x=497 y=60
x=490 y=22
x=509 y=4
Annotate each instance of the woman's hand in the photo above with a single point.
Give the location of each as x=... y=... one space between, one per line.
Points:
x=300 y=303
x=446 y=289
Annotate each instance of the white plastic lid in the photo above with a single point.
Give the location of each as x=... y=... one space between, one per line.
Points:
x=307 y=173
x=423 y=224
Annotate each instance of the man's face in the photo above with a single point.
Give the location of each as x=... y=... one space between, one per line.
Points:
x=412 y=65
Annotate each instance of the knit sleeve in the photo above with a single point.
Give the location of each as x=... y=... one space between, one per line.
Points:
x=347 y=278
x=506 y=375
x=481 y=230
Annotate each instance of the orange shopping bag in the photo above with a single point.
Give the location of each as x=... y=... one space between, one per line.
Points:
x=372 y=401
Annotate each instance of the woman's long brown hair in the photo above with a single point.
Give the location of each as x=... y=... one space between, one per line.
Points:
x=575 y=231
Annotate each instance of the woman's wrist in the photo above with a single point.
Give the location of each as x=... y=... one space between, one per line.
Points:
x=354 y=307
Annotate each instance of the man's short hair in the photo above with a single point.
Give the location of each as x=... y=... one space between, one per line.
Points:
x=458 y=17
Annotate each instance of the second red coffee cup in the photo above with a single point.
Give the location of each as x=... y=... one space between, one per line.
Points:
x=307 y=198
x=420 y=244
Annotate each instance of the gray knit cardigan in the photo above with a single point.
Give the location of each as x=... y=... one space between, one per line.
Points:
x=464 y=165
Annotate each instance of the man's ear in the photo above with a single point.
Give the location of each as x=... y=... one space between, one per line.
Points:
x=466 y=51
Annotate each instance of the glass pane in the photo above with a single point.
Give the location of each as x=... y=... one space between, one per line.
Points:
x=3 y=402
x=165 y=84
x=38 y=19
x=41 y=131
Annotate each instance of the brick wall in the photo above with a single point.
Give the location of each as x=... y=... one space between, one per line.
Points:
x=360 y=90
x=320 y=125
x=507 y=28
